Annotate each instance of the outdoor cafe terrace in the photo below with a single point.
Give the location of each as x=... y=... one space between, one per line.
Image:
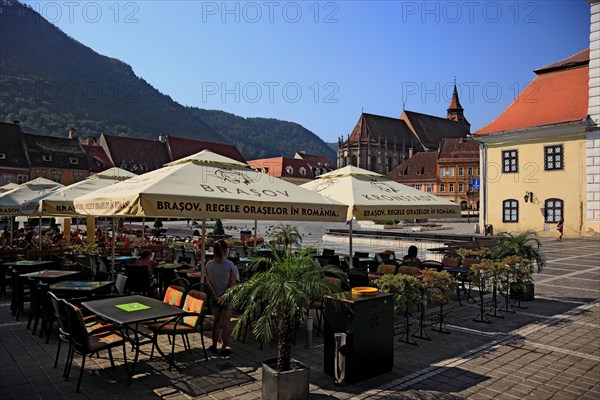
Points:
x=482 y=344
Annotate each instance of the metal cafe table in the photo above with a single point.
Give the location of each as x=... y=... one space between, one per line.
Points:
x=20 y=266
x=49 y=275
x=28 y=264
x=81 y=287
x=128 y=312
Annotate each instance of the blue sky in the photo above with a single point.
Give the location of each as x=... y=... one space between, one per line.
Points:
x=321 y=63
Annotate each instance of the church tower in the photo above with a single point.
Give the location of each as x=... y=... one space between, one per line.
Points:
x=455 y=110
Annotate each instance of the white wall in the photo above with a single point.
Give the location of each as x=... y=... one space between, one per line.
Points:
x=593 y=135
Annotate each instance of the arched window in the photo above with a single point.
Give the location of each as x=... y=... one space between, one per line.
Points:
x=289 y=169
x=510 y=210
x=373 y=162
x=354 y=163
x=302 y=171
x=553 y=210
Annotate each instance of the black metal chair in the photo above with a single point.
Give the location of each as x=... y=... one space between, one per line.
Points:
x=357 y=277
x=189 y=322
x=85 y=342
x=138 y=280
x=35 y=304
x=433 y=265
x=328 y=252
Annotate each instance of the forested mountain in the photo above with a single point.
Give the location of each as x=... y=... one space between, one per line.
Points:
x=51 y=82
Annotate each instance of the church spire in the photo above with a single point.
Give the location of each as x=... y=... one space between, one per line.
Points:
x=455 y=110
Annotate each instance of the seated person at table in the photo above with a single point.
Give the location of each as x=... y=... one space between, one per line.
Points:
x=412 y=255
x=145 y=260
x=76 y=238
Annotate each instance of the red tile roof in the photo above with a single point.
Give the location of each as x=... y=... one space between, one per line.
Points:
x=430 y=130
x=558 y=94
x=462 y=149
x=316 y=161
x=98 y=161
x=62 y=152
x=374 y=128
x=12 y=146
x=277 y=166
x=580 y=59
x=420 y=167
x=135 y=154
x=183 y=147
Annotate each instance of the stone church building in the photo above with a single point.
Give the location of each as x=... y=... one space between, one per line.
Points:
x=379 y=143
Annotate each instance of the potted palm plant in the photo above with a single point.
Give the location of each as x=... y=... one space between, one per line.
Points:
x=287 y=235
x=526 y=246
x=523 y=244
x=273 y=302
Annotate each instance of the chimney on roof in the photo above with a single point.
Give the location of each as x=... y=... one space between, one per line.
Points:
x=72 y=133
x=17 y=122
x=162 y=138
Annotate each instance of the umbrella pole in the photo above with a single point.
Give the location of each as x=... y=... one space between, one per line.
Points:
x=350 y=242
x=67 y=230
x=143 y=228
x=255 y=233
x=90 y=229
x=114 y=245
x=10 y=226
x=203 y=251
x=40 y=225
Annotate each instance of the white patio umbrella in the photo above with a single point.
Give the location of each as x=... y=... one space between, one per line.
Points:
x=371 y=196
x=7 y=187
x=60 y=201
x=208 y=185
x=11 y=202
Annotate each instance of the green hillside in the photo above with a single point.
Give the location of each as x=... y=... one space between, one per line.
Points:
x=51 y=82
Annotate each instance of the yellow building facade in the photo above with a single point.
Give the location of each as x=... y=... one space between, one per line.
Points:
x=534 y=177
x=535 y=156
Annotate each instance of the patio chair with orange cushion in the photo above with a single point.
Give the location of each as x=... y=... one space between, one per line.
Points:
x=451 y=262
x=387 y=269
x=189 y=322
x=85 y=342
x=409 y=270
x=174 y=295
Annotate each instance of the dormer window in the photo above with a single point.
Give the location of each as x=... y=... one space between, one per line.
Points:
x=2 y=156
x=302 y=171
x=289 y=169
x=46 y=157
x=74 y=160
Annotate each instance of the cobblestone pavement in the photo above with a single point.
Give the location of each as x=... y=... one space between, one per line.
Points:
x=549 y=350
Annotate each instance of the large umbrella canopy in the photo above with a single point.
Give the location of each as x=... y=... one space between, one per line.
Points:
x=372 y=196
x=7 y=187
x=11 y=202
x=60 y=202
x=207 y=185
